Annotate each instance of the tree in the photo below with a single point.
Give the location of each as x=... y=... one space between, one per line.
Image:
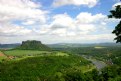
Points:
x=116 y=13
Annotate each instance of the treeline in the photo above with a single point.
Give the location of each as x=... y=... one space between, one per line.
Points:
x=106 y=53
x=9 y=45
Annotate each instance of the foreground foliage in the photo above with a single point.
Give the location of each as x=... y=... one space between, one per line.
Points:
x=116 y=13
x=57 y=68
x=42 y=68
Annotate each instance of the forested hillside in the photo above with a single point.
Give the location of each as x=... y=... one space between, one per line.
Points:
x=33 y=45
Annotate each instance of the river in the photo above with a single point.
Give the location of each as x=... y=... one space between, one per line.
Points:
x=99 y=64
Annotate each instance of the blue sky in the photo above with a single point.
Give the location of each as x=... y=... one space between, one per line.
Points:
x=57 y=21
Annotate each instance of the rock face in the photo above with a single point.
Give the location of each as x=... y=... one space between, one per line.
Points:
x=33 y=45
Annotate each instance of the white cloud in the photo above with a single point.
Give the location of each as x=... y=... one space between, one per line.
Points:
x=113 y=7
x=26 y=9
x=29 y=22
x=87 y=27
x=84 y=27
x=85 y=23
x=62 y=20
x=59 y=32
x=61 y=27
x=42 y=30
x=89 y=3
x=8 y=29
x=86 y=17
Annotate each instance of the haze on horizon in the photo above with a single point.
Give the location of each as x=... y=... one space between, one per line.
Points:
x=57 y=21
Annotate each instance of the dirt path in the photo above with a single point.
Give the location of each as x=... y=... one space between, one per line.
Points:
x=1 y=54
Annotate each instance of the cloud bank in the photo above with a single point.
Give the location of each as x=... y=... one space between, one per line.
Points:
x=89 y=3
x=27 y=20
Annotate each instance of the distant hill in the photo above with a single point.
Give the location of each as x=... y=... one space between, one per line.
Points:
x=66 y=45
x=7 y=46
x=33 y=45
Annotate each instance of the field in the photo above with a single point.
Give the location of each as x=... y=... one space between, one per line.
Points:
x=24 y=52
x=32 y=53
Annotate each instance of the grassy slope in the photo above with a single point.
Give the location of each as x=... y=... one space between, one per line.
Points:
x=2 y=57
x=35 y=68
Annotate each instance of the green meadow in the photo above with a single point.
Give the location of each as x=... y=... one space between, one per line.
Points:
x=25 y=52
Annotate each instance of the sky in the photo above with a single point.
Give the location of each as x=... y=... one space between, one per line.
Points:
x=57 y=21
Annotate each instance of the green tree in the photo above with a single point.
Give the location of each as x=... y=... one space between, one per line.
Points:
x=116 y=13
